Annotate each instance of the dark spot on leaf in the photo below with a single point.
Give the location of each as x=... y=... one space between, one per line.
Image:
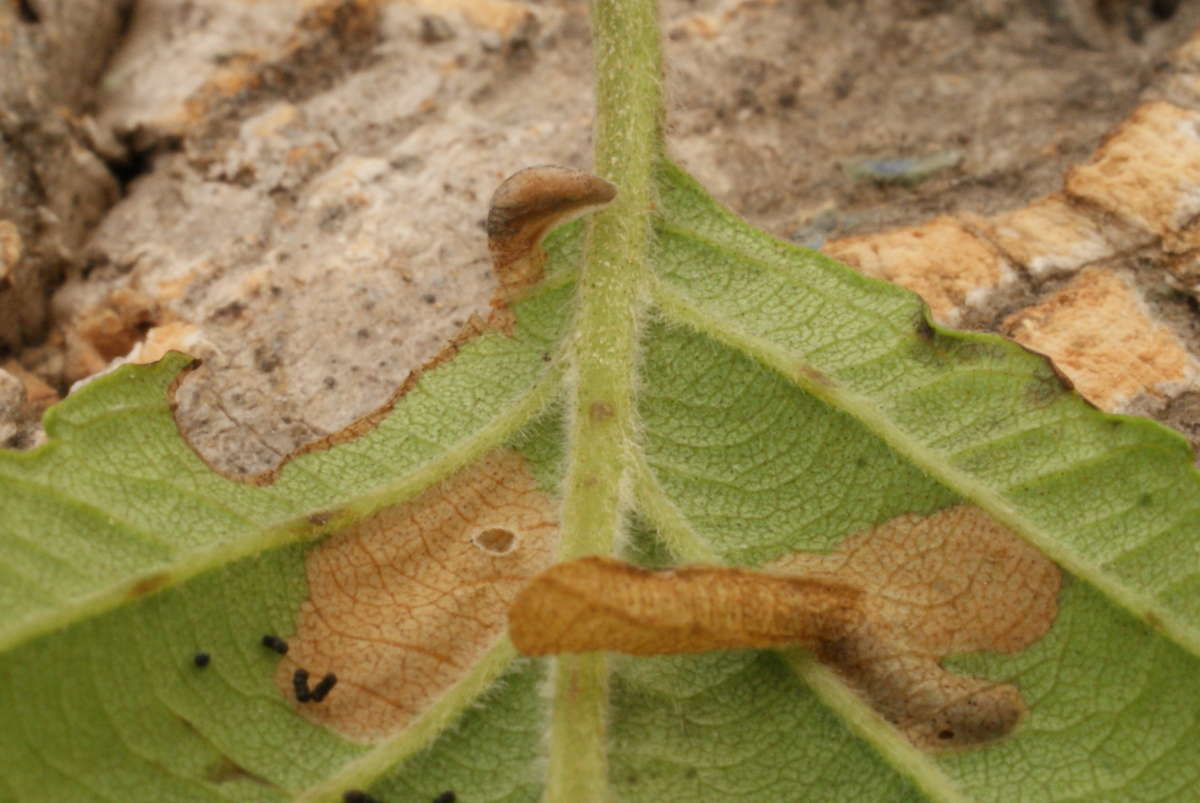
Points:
x=358 y=796
x=1043 y=389
x=1145 y=500
x=927 y=354
x=923 y=329
x=979 y=352
x=201 y=660
x=429 y=298
x=148 y=585
x=228 y=771
x=446 y=797
x=600 y=411
x=320 y=518
x=814 y=376
x=946 y=734
x=362 y=334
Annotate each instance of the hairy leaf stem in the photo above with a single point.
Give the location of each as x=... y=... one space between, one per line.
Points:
x=628 y=143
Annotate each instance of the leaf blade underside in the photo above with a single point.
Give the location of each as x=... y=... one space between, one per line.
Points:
x=783 y=403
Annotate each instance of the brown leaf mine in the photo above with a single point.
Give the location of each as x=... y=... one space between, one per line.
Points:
x=883 y=610
x=404 y=602
x=526 y=206
x=953 y=582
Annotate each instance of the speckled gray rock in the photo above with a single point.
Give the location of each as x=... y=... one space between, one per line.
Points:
x=18 y=426
x=53 y=185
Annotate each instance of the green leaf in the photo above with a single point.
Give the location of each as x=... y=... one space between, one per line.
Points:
x=682 y=388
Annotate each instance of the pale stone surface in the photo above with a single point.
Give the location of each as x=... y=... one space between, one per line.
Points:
x=12 y=406
x=38 y=396
x=145 y=95
x=941 y=261
x=21 y=400
x=1053 y=236
x=1100 y=334
x=1181 y=84
x=1149 y=173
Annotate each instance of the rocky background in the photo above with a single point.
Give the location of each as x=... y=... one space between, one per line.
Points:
x=295 y=191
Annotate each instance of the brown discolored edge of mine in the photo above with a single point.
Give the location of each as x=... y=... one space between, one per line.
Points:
x=150 y=584
x=498 y=321
x=815 y=376
x=173 y=388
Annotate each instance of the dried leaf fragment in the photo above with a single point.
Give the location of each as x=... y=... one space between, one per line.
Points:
x=882 y=611
x=526 y=206
x=599 y=603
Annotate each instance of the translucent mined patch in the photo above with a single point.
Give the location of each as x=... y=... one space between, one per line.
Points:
x=402 y=604
x=953 y=582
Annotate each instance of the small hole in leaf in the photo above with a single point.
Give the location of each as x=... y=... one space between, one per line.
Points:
x=496 y=540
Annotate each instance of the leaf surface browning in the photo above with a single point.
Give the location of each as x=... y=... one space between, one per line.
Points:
x=952 y=582
x=404 y=602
